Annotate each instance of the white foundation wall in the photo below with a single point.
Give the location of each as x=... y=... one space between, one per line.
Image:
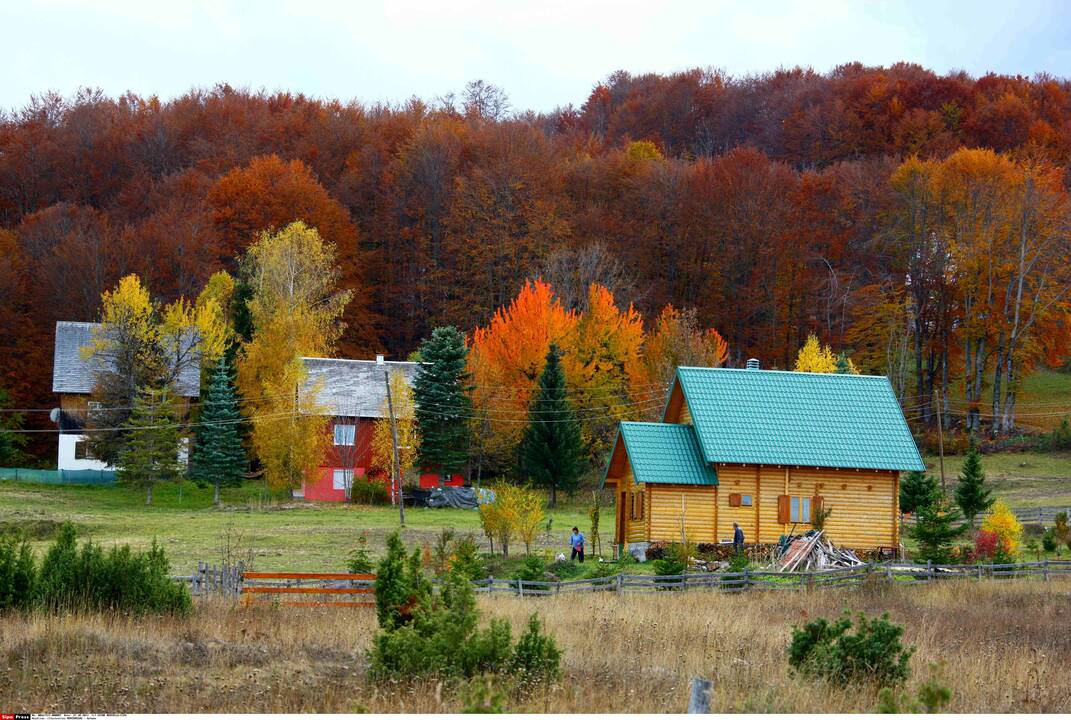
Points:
x=65 y=459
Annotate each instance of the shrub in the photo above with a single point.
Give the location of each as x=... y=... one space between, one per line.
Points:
x=400 y=585
x=368 y=492
x=536 y=657
x=1001 y=521
x=738 y=563
x=989 y=546
x=1048 y=541
x=931 y=697
x=872 y=653
x=466 y=559
x=1060 y=530
x=482 y=696
x=360 y=561
x=18 y=574
x=937 y=525
x=533 y=568
x=1059 y=438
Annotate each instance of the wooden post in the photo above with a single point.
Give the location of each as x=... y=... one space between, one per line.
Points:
x=941 y=437
x=1045 y=569
x=747 y=578
x=520 y=587
x=620 y=582
x=929 y=570
x=699 y=700
x=397 y=469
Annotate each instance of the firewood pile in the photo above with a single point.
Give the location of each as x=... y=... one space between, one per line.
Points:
x=807 y=553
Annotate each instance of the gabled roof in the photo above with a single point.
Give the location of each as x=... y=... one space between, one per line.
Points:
x=352 y=388
x=773 y=417
x=73 y=374
x=664 y=453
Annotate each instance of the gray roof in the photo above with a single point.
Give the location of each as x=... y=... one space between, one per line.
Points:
x=353 y=388
x=71 y=373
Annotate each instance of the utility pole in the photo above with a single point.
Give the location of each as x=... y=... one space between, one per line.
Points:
x=941 y=437
x=397 y=470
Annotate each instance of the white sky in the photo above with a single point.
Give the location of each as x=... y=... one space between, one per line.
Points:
x=543 y=54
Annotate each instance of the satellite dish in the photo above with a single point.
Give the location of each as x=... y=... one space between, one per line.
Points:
x=54 y=415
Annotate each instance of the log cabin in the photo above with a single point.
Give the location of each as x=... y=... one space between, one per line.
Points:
x=765 y=449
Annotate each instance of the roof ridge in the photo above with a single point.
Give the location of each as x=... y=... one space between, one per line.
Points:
x=361 y=360
x=780 y=372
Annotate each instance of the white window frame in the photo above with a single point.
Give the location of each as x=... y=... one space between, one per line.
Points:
x=341 y=479
x=348 y=434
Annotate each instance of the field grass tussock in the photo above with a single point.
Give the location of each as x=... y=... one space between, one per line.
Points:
x=1003 y=645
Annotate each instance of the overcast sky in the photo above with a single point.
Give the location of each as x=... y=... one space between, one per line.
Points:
x=543 y=54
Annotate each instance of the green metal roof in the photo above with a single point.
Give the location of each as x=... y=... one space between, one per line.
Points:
x=663 y=453
x=773 y=417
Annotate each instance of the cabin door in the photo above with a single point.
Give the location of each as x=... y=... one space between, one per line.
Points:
x=619 y=532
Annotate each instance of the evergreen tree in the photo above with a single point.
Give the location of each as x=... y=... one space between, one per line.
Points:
x=937 y=525
x=11 y=440
x=218 y=456
x=153 y=435
x=972 y=496
x=443 y=405
x=916 y=490
x=551 y=451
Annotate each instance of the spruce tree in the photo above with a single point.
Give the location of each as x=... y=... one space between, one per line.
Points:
x=917 y=489
x=937 y=525
x=153 y=435
x=972 y=496
x=443 y=406
x=551 y=451
x=218 y=457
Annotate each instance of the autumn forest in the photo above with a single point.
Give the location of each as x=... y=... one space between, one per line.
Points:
x=918 y=223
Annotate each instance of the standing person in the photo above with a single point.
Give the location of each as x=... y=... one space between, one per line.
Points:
x=738 y=539
x=576 y=541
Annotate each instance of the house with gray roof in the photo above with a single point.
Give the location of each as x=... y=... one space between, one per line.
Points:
x=73 y=377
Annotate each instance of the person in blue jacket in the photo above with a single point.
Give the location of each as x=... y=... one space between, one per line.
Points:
x=576 y=541
x=738 y=539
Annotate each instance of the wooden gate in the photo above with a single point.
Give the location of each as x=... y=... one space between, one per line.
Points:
x=307 y=589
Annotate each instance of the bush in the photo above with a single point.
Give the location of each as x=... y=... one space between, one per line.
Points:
x=536 y=657
x=368 y=492
x=1048 y=541
x=872 y=654
x=466 y=559
x=533 y=568
x=932 y=696
x=1001 y=521
x=91 y=579
x=1059 y=438
x=990 y=546
x=738 y=563
x=400 y=585
x=18 y=574
x=360 y=561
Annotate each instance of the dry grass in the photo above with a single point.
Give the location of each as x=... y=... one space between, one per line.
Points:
x=1004 y=646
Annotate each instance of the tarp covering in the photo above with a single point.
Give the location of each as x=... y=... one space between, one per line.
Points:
x=59 y=477
x=463 y=498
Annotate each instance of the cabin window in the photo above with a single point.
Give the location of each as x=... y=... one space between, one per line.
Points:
x=637 y=505
x=342 y=479
x=81 y=451
x=801 y=509
x=344 y=434
x=745 y=500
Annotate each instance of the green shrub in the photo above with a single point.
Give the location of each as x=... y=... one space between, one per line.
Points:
x=360 y=561
x=533 y=568
x=1048 y=541
x=400 y=585
x=466 y=559
x=931 y=697
x=738 y=563
x=482 y=696
x=872 y=653
x=1060 y=438
x=368 y=492
x=536 y=656
x=18 y=574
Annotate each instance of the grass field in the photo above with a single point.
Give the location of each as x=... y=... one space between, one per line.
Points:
x=1044 y=400
x=1027 y=479
x=284 y=535
x=1003 y=645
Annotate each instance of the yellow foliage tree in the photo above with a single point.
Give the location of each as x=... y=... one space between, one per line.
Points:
x=815 y=357
x=1001 y=521
x=382 y=461
x=530 y=516
x=295 y=311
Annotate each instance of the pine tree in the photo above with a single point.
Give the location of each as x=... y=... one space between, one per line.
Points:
x=153 y=435
x=443 y=405
x=916 y=490
x=552 y=449
x=937 y=525
x=218 y=456
x=972 y=496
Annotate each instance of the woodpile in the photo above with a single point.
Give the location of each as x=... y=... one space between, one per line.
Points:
x=807 y=553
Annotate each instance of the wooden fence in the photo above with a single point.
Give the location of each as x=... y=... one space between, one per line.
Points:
x=252 y=585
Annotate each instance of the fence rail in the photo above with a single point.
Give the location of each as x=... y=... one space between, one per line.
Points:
x=234 y=581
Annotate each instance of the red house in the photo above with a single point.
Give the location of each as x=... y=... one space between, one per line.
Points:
x=353 y=392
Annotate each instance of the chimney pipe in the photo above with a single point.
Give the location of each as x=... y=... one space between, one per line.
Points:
x=754 y=364
x=379 y=359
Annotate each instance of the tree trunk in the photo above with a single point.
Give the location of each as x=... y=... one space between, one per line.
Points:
x=215 y=494
x=553 y=496
x=148 y=494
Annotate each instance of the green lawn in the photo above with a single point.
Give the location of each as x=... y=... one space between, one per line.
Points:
x=284 y=535
x=1044 y=399
x=1026 y=479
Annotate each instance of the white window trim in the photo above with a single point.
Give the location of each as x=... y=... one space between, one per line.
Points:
x=343 y=476
x=349 y=434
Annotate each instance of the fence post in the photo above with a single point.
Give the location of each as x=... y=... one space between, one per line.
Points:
x=979 y=571
x=1045 y=569
x=888 y=573
x=620 y=582
x=520 y=587
x=747 y=578
x=699 y=700
x=929 y=571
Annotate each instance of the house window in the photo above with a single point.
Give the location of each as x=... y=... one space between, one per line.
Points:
x=342 y=479
x=801 y=509
x=745 y=500
x=81 y=451
x=637 y=505
x=344 y=434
